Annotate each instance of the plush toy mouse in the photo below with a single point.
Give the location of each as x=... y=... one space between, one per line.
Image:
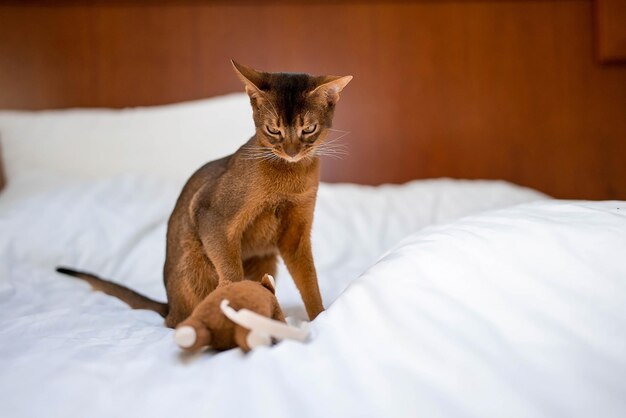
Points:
x=244 y=314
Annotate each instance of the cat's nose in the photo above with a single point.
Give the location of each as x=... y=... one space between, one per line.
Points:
x=291 y=150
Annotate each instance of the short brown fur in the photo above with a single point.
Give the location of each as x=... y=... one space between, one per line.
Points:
x=236 y=215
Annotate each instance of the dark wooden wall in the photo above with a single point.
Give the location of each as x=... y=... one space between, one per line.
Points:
x=473 y=89
x=610 y=22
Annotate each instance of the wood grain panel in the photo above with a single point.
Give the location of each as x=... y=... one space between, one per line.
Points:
x=475 y=89
x=611 y=30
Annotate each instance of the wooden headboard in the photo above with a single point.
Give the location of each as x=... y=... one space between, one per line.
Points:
x=472 y=89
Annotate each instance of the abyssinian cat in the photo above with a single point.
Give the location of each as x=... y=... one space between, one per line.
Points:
x=236 y=215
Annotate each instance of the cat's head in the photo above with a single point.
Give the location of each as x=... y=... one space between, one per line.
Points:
x=292 y=112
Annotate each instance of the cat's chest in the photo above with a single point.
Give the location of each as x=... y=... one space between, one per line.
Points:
x=291 y=182
x=261 y=235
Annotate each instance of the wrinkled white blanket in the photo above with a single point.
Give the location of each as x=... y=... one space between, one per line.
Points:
x=515 y=312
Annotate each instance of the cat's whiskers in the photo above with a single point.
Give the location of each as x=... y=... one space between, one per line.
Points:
x=338 y=147
x=330 y=153
x=254 y=150
x=258 y=153
x=333 y=154
x=344 y=133
x=331 y=147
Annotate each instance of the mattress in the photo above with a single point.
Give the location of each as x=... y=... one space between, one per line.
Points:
x=444 y=298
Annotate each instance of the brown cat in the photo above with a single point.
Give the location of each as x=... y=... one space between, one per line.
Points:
x=237 y=214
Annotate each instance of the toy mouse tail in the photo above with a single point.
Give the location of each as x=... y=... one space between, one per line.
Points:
x=133 y=299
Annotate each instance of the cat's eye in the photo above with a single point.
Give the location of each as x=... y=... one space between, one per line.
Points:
x=309 y=129
x=272 y=130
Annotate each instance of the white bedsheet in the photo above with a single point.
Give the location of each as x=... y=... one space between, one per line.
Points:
x=517 y=312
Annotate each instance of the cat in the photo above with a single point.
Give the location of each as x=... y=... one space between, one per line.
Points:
x=236 y=215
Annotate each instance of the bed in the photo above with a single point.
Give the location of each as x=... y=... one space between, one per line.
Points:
x=445 y=297
x=490 y=296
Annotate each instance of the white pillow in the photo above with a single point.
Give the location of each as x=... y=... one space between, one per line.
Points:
x=171 y=141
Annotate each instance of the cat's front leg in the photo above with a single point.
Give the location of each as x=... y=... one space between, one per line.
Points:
x=226 y=257
x=295 y=249
x=224 y=253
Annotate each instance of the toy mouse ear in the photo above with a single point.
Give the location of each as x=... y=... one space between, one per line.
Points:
x=269 y=283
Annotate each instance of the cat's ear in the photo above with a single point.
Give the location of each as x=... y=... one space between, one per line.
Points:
x=251 y=78
x=330 y=88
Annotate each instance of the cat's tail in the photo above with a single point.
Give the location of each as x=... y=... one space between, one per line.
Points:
x=133 y=299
